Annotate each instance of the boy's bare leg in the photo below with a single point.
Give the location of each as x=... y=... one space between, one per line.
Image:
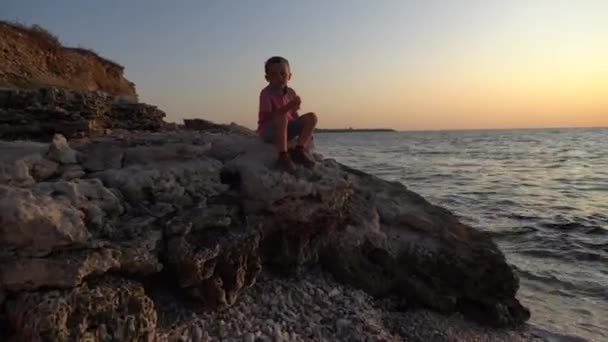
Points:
x=280 y=123
x=284 y=162
x=310 y=122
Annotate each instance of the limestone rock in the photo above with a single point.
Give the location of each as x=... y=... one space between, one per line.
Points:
x=297 y=214
x=65 y=270
x=41 y=113
x=36 y=224
x=95 y=202
x=134 y=116
x=141 y=155
x=101 y=157
x=214 y=263
x=175 y=183
x=422 y=253
x=41 y=168
x=208 y=209
x=16 y=173
x=106 y=310
x=69 y=172
x=201 y=125
x=22 y=164
x=68 y=269
x=60 y=151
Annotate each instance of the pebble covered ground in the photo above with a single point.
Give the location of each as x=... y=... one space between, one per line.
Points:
x=314 y=307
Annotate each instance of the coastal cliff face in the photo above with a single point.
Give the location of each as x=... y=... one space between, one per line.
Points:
x=32 y=58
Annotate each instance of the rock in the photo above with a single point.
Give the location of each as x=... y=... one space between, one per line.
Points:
x=196 y=334
x=100 y=157
x=68 y=269
x=65 y=271
x=142 y=154
x=342 y=324
x=134 y=116
x=249 y=337
x=179 y=184
x=42 y=113
x=42 y=169
x=296 y=215
x=335 y=292
x=69 y=172
x=201 y=125
x=17 y=174
x=22 y=164
x=109 y=309
x=36 y=224
x=398 y=243
x=59 y=151
x=264 y=338
x=200 y=212
x=96 y=202
x=215 y=264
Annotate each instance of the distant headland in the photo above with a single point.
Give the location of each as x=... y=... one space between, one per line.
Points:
x=352 y=130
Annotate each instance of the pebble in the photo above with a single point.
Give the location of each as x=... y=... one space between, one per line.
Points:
x=247 y=325
x=196 y=333
x=263 y=338
x=249 y=337
x=335 y=292
x=283 y=310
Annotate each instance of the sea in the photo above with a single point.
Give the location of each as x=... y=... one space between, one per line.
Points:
x=542 y=194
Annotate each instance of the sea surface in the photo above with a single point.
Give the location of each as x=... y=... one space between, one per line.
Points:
x=541 y=194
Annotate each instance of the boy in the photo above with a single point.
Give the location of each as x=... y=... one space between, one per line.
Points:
x=279 y=121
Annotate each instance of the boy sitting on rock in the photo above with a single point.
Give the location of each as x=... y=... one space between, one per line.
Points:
x=279 y=121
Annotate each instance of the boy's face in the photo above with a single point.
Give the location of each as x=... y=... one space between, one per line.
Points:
x=278 y=74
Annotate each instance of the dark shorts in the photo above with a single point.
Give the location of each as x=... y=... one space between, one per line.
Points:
x=294 y=128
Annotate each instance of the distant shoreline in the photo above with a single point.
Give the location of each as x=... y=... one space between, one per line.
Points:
x=352 y=130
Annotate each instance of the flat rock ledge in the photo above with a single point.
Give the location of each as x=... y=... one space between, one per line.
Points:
x=97 y=233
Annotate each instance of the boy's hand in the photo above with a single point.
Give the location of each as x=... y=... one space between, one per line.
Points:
x=295 y=103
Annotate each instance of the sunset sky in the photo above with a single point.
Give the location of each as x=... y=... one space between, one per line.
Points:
x=408 y=65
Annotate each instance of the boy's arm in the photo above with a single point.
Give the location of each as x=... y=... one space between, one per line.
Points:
x=296 y=106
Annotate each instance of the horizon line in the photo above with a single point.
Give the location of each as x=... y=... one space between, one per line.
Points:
x=463 y=129
x=414 y=129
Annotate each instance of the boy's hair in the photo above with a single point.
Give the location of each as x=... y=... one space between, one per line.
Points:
x=274 y=60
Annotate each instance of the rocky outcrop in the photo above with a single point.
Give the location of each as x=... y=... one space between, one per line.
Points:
x=40 y=113
x=396 y=243
x=203 y=212
x=108 y=309
x=33 y=58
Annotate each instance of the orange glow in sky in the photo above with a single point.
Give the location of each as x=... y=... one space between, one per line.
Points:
x=409 y=65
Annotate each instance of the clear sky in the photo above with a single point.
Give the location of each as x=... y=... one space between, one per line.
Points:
x=360 y=63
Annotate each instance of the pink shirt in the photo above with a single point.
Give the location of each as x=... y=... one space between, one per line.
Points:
x=271 y=100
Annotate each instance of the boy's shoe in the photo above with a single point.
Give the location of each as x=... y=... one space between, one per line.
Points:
x=285 y=163
x=300 y=156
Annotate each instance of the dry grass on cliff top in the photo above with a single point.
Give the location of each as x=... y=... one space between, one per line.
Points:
x=47 y=39
x=32 y=57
